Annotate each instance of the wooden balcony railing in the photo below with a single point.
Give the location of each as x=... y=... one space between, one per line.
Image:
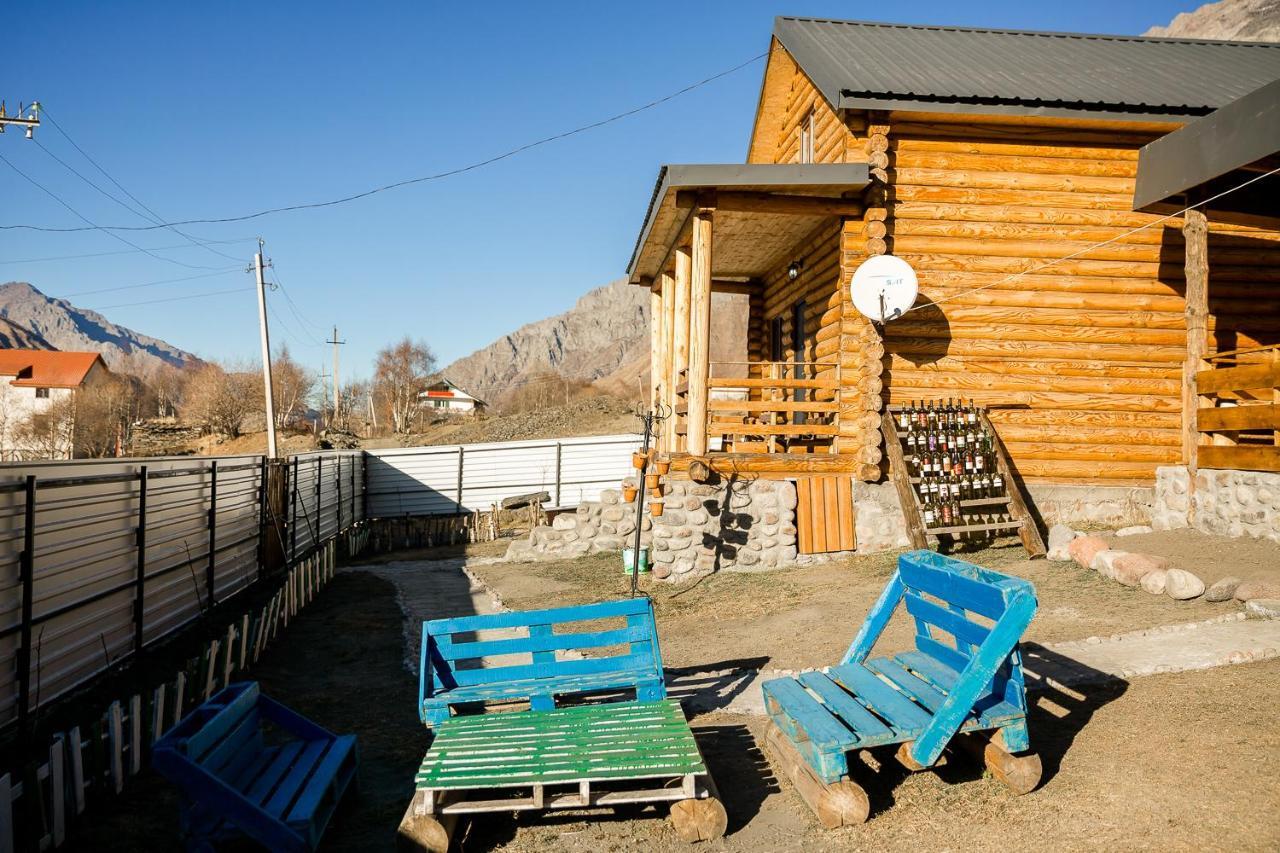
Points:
x=777 y=407
x=1239 y=412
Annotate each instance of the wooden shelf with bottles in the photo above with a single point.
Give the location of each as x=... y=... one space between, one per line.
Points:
x=946 y=458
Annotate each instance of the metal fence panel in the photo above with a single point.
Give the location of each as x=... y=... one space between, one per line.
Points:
x=462 y=478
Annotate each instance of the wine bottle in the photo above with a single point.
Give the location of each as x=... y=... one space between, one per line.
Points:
x=997 y=484
x=926 y=512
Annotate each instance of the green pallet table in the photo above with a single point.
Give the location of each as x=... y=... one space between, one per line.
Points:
x=582 y=757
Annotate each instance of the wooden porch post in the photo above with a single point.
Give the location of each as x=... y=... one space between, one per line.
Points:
x=700 y=331
x=666 y=292
x=680 y=331
x=655 y=346
x=1195 y=232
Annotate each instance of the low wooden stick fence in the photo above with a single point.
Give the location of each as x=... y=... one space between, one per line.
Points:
x=394 y=534
x=88 y=765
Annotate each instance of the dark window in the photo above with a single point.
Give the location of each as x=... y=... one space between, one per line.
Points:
x=42 y=393
x=775 y=339
x=797 y=355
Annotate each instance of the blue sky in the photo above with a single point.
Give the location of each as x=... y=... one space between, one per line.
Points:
x=213 y=110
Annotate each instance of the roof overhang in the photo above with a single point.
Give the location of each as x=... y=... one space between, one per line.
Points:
x=1215 y=153
x=762 y=212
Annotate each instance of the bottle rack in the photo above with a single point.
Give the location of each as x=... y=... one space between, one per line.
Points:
x=978 y=513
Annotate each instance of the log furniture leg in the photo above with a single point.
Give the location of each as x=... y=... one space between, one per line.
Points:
x=1020 y=773
x=700 y=819
x=842 y=803
x=422 y=831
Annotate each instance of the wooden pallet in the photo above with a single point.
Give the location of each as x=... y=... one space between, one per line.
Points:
x=1014 y=498
x=582 y=757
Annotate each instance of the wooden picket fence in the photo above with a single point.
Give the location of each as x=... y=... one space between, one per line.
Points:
x=395 y=534
x=88 y=765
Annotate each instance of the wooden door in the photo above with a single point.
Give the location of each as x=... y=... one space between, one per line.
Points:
x=825 y=515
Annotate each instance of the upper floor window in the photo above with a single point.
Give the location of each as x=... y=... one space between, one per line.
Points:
x=42 y=393
x=806 y=138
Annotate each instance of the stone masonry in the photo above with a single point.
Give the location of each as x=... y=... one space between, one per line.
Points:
x=732 y=525
x=1228 y=503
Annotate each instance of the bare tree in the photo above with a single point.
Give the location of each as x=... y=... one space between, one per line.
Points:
x=104 y=412
x=400 y=375
x=291 y=386
x=49 y=434
x=221 y=401
x=167 y=383
x=349 y=414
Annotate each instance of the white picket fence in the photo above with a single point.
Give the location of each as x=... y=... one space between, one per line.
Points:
x=85 y=765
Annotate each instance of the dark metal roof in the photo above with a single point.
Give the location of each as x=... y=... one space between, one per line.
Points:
x=804 y=179
x=868 y=65
x=1214 y=153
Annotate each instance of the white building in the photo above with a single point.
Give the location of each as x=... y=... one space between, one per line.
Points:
x=37 y=396
x=446 y=397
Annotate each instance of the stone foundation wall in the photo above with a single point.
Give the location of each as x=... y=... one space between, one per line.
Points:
x=732 y=525
x=1092 y=506
x=1227 y=503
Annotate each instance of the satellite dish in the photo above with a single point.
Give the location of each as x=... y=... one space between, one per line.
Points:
x=884 y=287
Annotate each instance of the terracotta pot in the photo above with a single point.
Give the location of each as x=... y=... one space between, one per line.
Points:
x=656 y=491
x=662 y=466
x=655 y=508
x=651 y=481
x=638 y=459
x=629 y=493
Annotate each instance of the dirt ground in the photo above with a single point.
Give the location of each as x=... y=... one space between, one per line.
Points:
x=1175 y=762
x=806 y=616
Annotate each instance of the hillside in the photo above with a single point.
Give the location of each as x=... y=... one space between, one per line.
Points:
x=603 y=339
x=13 y=336
x=61 y=325
x=1233 y=20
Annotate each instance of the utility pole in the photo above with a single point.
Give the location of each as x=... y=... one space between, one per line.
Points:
x=336 y=343
x=31 y=122
x=273 y=451
x=324 y=397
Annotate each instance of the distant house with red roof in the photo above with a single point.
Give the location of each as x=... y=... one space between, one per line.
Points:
x=443 y=396
x=38 y=389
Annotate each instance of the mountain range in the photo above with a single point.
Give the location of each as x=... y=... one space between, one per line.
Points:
x=30 y=319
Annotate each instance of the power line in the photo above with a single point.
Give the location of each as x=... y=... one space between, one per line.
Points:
x=122 y=252
x=93 y=226
x=152 y=283
x=154 y=217
x=409 y=181
x=293 y=306
x=174 y=298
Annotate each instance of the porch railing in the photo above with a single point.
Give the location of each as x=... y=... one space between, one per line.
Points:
x=777 y=407
x=1239 y=411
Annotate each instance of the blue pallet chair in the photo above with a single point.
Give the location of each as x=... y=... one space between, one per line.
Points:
x=462 y=673
x=248 y=766
x=964 y=675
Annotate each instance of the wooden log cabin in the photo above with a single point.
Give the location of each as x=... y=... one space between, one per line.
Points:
x=1001 y=165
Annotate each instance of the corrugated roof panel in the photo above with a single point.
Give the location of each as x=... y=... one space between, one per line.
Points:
x=862 y=60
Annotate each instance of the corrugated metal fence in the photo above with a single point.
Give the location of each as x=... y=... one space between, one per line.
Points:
x=468 y=477
x=101 y=558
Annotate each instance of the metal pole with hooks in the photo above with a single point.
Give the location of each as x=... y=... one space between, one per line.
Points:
x=649 y=419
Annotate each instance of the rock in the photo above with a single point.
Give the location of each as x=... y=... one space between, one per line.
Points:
x=614 y=514
x=1182 y=585
x=1104 y=562
x=662 y=571
x=1222 y=590
x=682 y=566
x=1060 y=537
x=1083 y=548
x=607 y=543
x=1134 y=530
x=1154 y=582
x=1267 y=607
x=520 y=549
x=1249 y=590
x=1130 y=569
x=611 y=497
x=564 y=521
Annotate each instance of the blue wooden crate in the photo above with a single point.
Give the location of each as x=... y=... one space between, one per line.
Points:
x=278 y=786
x=459 y=671
x=965 y=673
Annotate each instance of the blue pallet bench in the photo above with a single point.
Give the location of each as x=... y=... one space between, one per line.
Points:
x=963 y=676
x=248 y=766
x=461 y=673
x=630 y=746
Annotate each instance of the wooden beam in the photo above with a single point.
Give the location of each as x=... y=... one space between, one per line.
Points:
x=746 y=288
x=745 y=201
x=655 y=348
x=666 y=286
x=1255 y=458
x=680 y=331
x=700 y=330
x=1195 y=232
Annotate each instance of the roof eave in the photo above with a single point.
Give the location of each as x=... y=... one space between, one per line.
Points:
x=893 y=103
